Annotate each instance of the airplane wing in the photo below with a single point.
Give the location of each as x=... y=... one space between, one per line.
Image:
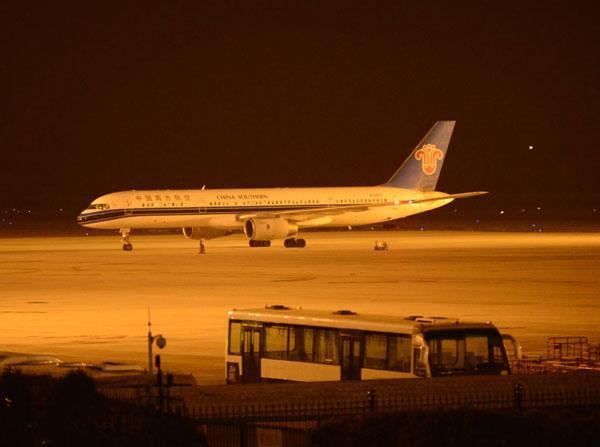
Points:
x=299 y=215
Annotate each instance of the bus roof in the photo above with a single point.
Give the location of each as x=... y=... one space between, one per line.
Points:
x=346 y=319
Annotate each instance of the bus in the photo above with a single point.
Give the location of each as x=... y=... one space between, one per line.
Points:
x=277 y=343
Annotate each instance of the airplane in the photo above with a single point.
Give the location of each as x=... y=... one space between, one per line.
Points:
x=266 y=214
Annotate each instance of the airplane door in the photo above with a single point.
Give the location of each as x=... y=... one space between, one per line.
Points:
x=251 y=354
x=127 y=211
x=351 y=357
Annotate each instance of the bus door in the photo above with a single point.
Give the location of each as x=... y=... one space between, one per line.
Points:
x=351 y=357
x=251 y=354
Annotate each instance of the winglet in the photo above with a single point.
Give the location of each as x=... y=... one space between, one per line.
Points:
x=422 y=168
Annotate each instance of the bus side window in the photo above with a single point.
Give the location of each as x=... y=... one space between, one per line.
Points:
x=399 y=353
x=375 y=351
x=301 y=344
x=327 y=342
x=276 y=342
x=235 y=337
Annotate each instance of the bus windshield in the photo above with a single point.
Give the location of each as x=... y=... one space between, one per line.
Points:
x=458 y=352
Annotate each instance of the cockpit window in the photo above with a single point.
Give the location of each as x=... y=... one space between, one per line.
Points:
x=98 y=206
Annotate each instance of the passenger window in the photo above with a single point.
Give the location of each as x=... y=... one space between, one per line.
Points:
x=375 y=351
x=235 y=337
x=327 y=346
x=301 y=344
x=276 y=342
x=399 y=353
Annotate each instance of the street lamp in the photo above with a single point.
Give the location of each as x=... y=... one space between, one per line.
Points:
x=161 y=342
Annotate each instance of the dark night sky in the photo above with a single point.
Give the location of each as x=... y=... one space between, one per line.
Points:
x=98 y=97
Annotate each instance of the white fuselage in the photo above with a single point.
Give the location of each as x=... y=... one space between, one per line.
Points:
x=227 y=209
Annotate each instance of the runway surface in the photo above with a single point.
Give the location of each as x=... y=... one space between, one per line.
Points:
x=86 y=299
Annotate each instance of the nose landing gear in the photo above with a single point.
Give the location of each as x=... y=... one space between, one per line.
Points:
x=125 y=240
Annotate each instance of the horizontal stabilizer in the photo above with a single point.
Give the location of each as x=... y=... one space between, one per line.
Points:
x=449 y=196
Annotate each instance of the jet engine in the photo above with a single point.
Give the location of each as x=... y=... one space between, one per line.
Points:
x=269 y=229
x=208 y=233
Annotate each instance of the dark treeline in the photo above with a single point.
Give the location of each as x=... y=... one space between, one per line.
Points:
x=69 y=411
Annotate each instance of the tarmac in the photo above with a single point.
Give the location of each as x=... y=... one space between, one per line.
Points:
x=84 y=299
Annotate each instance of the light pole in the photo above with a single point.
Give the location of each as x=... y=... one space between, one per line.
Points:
x=161 y=342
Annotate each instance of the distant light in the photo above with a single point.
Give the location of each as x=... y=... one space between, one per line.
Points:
x=421 y=228
x=3 y=220
x=28 y=211
x=594 y=210
x=455 y=210
x=410 y=201
x=539 y=208
x=539 y=230
x=533 y=225
x=18 y=211
x=397 y=202
x=530 y=148
x=10 y=223
x=501 y=212
x=372 y=228
x=477 y=221
x=87 y=234
x=60 y=209
x=523 y=210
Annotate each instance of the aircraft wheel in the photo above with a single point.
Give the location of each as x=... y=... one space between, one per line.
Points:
x=254 y=243
x=290 y=243
x=300 y=243
x=127 y=247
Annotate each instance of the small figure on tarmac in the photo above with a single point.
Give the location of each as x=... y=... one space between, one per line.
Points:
x=381 y=245
x=202 y=245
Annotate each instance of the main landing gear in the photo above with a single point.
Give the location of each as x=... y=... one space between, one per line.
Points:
x=293 y=242
x=125 y=240
x=289 y=243
x=254 y=243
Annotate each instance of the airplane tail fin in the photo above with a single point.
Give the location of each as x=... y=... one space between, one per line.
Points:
x=422 y=168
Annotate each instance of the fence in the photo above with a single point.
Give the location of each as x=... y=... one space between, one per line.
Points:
x=285 y=414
